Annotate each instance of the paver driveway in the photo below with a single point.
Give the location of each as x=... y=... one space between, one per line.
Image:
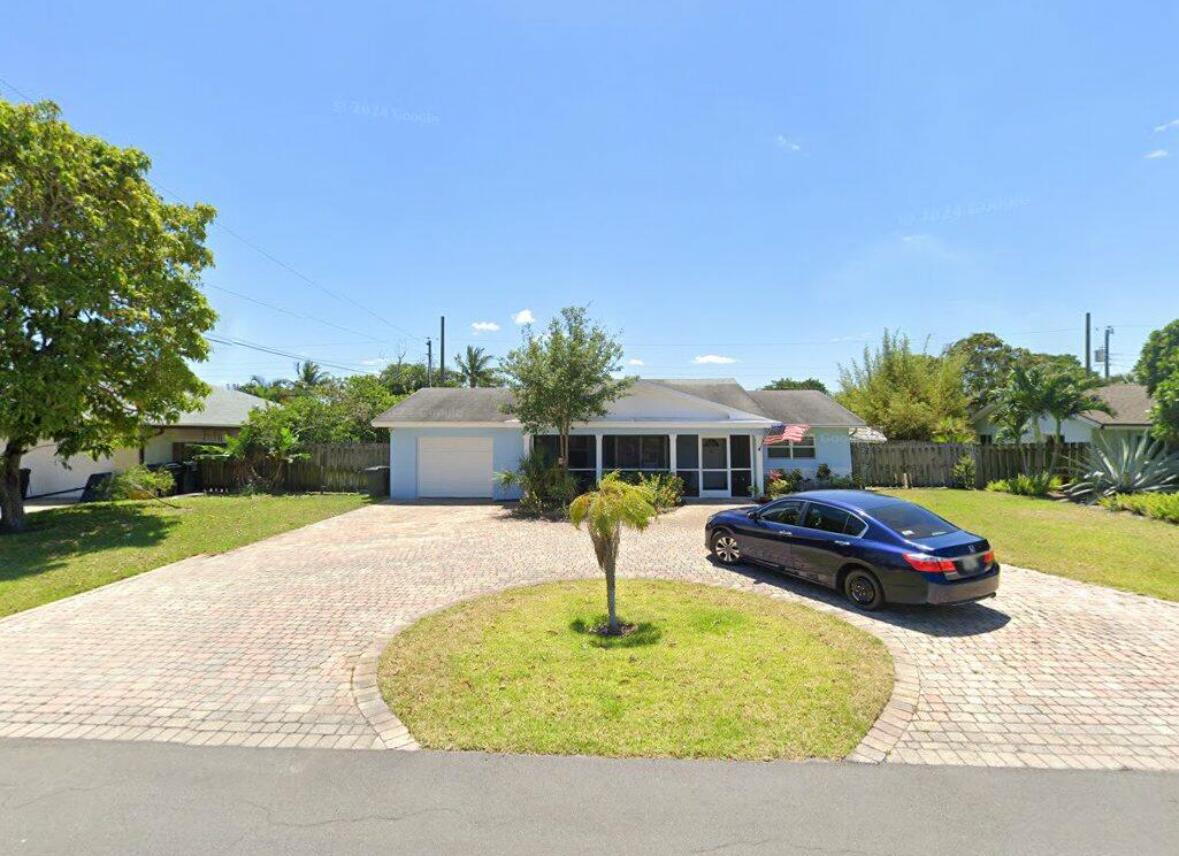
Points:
x=259 y=646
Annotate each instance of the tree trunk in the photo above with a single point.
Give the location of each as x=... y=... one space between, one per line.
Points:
x=12 y=504
x=1055 y=449
x=563 y=448
x=611 y=610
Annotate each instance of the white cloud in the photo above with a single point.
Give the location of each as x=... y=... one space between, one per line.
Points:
x=713 y=359
x=484 y=327
x=1166 y=126
x=634 y=362
x=376 y=361
x=914 y=239
x=784 y=142
x=524 y=316
x=1156 y=154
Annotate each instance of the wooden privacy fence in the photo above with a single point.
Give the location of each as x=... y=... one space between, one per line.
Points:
x=328 y=467
x=895 y=464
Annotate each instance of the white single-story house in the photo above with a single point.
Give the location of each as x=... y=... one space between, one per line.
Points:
x=223 y=413
x=1131 y=413
x=447 y=442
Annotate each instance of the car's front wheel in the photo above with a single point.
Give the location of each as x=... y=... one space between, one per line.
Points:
x=725 y=548
x=863 y=590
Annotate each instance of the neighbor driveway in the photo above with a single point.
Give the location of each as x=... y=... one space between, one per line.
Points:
x=261 y=646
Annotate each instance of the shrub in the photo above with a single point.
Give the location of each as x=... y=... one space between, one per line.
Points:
x=780 y=482
x=665 y=490
x=1123 y=463
x=138 y=482
x=546 y=489
x=963 y=474
x=1039 y=484
x=1160 y=506
x=823 y=473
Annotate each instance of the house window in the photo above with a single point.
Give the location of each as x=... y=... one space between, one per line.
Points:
x=636 y=452
x=792 y=451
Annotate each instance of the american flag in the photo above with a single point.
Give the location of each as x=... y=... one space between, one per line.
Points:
x=786 y=434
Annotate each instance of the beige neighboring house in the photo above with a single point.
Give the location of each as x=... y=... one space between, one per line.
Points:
x=223 y=413
x=1131 y=414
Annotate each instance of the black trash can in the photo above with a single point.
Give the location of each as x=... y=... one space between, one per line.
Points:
x=24 y=483
x=376 y=481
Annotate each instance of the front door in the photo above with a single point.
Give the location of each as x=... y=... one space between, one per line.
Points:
x=714 y=466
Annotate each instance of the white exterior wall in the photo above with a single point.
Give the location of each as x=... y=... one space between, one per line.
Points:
x=832 y=447
x=1072 y=430
x=50 y=475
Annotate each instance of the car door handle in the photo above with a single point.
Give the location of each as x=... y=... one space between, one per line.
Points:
x=843 y=543
x=785 y=534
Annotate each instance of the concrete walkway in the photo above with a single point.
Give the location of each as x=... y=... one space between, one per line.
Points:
x=125 y=799
x=261 y=646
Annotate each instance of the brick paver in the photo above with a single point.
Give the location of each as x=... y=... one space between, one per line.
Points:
x=273 y=644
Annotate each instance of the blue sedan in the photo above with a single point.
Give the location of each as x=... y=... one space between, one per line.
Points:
x=875 y=549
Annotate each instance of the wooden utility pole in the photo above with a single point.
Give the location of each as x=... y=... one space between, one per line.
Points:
x=1088 y=346
x=1108 y=333
x=429 y=362
x=442 y=354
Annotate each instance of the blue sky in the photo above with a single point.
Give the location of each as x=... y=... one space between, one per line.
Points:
x=767 y=184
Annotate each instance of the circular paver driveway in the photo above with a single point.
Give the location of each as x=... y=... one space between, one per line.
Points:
x=260 y=646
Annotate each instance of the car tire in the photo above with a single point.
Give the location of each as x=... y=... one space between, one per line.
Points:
x=863 y=590
x=724 y=548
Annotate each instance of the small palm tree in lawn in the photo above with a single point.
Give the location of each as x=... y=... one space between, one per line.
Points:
x=605 y=511
x=474 y=367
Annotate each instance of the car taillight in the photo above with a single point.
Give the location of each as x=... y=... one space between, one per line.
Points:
x=929 y=564
x=988 y=558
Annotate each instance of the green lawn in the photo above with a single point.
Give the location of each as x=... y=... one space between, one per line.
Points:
x=74 y=549
x=1082 y=542
x=707 y=672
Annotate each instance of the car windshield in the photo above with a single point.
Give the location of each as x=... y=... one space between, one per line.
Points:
x=912 y=521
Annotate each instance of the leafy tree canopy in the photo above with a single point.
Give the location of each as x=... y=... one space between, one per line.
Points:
x=790 y=383
x=564 y=375
x=1159 y=358
x=100 y=313
x=906 y=394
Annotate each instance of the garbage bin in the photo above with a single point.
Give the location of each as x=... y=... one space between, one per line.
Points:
x=24 y=483
x=376 y=481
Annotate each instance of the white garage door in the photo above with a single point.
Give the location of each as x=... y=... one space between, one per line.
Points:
x=454 y=466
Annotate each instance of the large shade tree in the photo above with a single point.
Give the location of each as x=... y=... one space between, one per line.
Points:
x=564 y=375
x=1158 y=369
x=100 y=310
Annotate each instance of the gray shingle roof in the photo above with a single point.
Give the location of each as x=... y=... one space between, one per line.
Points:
x=803 y=406
x=1129 y=401
x=444 y=404
x=224 y=408
x=724 y=391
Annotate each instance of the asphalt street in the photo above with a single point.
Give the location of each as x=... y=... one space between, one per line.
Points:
x=89 y=797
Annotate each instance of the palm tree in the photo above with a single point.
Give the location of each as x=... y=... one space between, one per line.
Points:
x=474 y=367
x=1069 y=394
x=308 y=375
x=613 y=505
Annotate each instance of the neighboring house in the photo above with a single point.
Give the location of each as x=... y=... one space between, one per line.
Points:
x=450 y=442
x=1131 y=413
x=223 y=413
x=868 y=434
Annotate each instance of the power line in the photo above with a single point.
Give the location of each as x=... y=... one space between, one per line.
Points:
x=278 y=352
x=294 y=314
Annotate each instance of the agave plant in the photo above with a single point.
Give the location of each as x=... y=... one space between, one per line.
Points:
x=1123 y=463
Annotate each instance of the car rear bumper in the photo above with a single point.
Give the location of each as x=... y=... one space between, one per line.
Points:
x=913 y=588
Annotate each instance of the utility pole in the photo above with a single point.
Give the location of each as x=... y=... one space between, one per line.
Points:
x=1108 y=333
x=442 y=355
x=429 y=362
x=1088 y=346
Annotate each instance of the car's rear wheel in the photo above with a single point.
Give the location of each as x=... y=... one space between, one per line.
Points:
x=725 y=548
x=863 y=590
